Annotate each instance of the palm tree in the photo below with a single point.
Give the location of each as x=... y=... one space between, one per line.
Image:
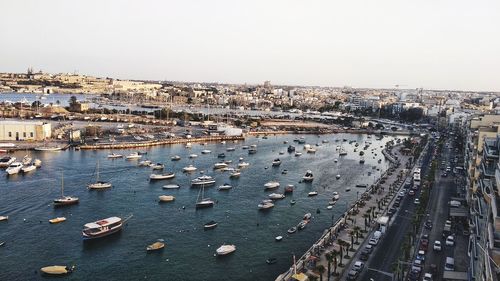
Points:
x=335 y=253
x=341 y=253
x=356 y=230
x=329 y=258
x=321 y=270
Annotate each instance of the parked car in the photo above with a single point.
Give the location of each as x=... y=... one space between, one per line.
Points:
x=352 y=275
x=450 y=240
x=358 y=266
x=369 y=248
x=416 y=201
x=449 y=264
x=424 y=245
x=396 y=204
x=391 y=211
x=427 y=277
x=454 y=203
x=373 y=241
x=428 y=224
x=437 y=246
x=421 y=255
x=365 y=254
x=411 y=192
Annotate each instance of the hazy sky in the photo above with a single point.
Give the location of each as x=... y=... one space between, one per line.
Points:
x=440 y=44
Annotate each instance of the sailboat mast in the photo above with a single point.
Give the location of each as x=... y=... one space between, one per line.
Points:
x=97 y=175
x=62 y=184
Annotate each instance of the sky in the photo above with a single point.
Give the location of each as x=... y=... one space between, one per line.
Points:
x=433 y=44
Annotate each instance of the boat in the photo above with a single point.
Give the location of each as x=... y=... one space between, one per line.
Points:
x=102 y=228
x=2 y=243
x=312 y=193
x=166 y=198
x=329 y=207
x=203 y=181
x=302 y=140
x=281 y=152
x=243 y=164
x=307 y=146
x=362 y=185
x=189 y=169
x=28 y=168
x=48 y=148
x=325 y=141
x=297 y=154
x=210 y=225
x=362 y=160
x=265 y=205
x=271 y=260
x=347 y=189
x=57 y=269
x=276 y=196
x=292 y=202
x=302 y=225
x=225 y=187
x=336 y=196
x=193 y=156
x=278 y=238
x=230 y=149
x=38 y=163
x=157 y=166
x=235 y=174
x=221 y=155
x=175 y=158
x=57 y=220
x=155 y=246
x=337 y=176
x=6 y=161
x=318 y=211
x=225 y=250
x=272 y=185
x=145 y=163
x=311 y=150
x=335 y=160
x=284 y=172
x=292 y=230
x=276 y=162
x=202 y=202
x=14 y=168
x=227 y=169
x=64 y=200
x=206 y=151
x=4 y=218
x=164 y=176
x=188 y=145
x=228 y=161
x=252 y=151
x=308 y=177
x=114 y=156
x=26 y=160
x=245 y=147
x=171 y=186
x=133 y=156
x=289 y=189
x=342 y=151
x=291 y=148
x=220 y=165
x=99 y=184
x=361 y=153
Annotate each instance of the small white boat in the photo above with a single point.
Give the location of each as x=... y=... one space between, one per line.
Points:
x=206 y=151
x=312 y=193
x=193 y=156
x=175 y=158
x=166 y=198
x=243 y=164
x=241 y=159
x=57 y=270
x=276 y=162
x=230 y=149
x=165 y=176
x=14 y=168
x=6 y=161
x=336 y=196
x=329 y=207
x=220 y=165
x=245 y=147
x=155 y=246
x=347 y=189
x=4 y=218
x=57 y=220
x=145 y=163
x=225 y=250
x=265 y=205
x=335 y=160
x=337 y=176
x=157 y=166
x=308 y=177
x=225 y=187
x=311 y=150
x=298 y=153
x=203 y=181
x=276 y=196
x=133 y=156
x=171 y=186
x=28 y=168
x=235 y=174
x=48 y=148
x=272 y=185
x=188 y=145
x=189 y=169
x=223 y=142
x=114 y=156
x=278 y=238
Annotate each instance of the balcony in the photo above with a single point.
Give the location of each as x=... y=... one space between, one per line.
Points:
x=488 y=168
x=490 y=149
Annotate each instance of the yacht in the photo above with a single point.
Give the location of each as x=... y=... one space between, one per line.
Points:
x=171 y=186
x=308 y=177
x=206 y=151
x=133 y=156
x=264 y=205
x=99 y=184
x=64 y=200
x=14 y=168
x=165 y=176
x=189 y=169
x=307 y=146
x=114 y=156
x=220 y=165
x=272 y=185
x=157 y=166
x=335 y=160
x=225 y=250
x=225 y=187
x=202 y=202
x=175 y=158
x=192 y=156
x=243 y=164
x=203 y=180
x=26 y=160
x=102 y=228
x=276 y=196
x=325 y=141
x=28 y=168
x=291 y=148
x=276 y=162
x=145 y=163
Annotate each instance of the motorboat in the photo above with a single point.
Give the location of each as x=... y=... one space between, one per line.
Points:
x=302 y=140
x=102 y=228
x=133 y=156
x=362 y=185
x=166 y=198
x=230 y=149
x=297 y=154
x=225 y=250
x=336 y=196
x=57 y=220
x=311 y=150
x=203 y=181
x=14 y=168
x=307 y=146
x=329 y=207
x=224 y=187
x=28 y=168
x=272 y=260
x=293 y=201
x=188 y=145
x=292 y=230
x=308 y=177
x=284 y=172
x=342 y=152
x=99 y=184
x=189 y=169
x=164 y=176
x=155 y=246
x=276 y=196
x=337 y=176
x=302 y=225
x=175 y=158
x=228 y=161
x=252 y=151
x=26 y=160
x=206 y=151
x=347 y=189
x=48 y=148
x=228 y=169
x=289 y=189
x=265 y=205
x=57 y=270
x=205 y=203
x=4 y=218
x=243 y=164
x=307 y=216
x=291 y=148
x=210 y=225
x=253 y=146
x=145 y=163
x=171 y=186
x=278 y=238
x=157 y=166
x=362 y=160
x=220 y=165
x=235 y=174
x=193 y=156
x=276 y=162
x=281 y=152
x=335 y=160
x=221 y=155
x=223 y=142
x=241 y=159
x=38 y=163
x=312 y=193
x=245 y=147
x=272 y=185
x=325 y=141
x=114 y=156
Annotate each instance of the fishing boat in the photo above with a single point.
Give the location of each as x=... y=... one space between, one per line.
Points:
x=102 y=228
x=243 y=164
x=164 y=176
x=145 y=163
x=155 y=246
x=64 y=200
x=115 y=155
x=276 y=196
x=28 y=168
x=308 y=177
x=203 y=181
x=210 y=225
x=225 y=187
x=291 y=148
x=272 y=185
x=57 y=270
x=14 y=168
x=289 y=188
x=4 y=218
x=292 y=230
x=265 y=205
x=57 y=220
x=175 y=158
x=157 y=166
x=99 y=184
x=171 y=186
x=193 y=156
x=312 y=193
x=189 y=169
x=225 y=250
x=6 y=161
x=166 y=198
x=133 y=156
x=276 y=162
x=202 y=202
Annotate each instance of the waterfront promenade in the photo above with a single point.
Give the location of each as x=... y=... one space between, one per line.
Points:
x=338 y=244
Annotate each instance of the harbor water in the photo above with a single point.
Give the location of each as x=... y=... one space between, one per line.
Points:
x=32 y=243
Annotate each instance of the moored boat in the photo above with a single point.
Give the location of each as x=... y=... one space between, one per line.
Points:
x=220 y=165
x=189 y=169
x=271 y=185
x=57 y=220
x=175 y=158
x=14 y=168
x=57 y=270
x=210 y=225
x=171 y=186
x=28 y=168
x=115 y=155
x=308 y=177
x=203 y=181
x=165 y=176
x=102 y=228
x=133 y=156
x=312 y=193
x=225 y=187
x=276 y=196
x=166 y=198
x=276 y=162
x=225 y=250
x=289 y=188
x=155 y=246
x=6 y=161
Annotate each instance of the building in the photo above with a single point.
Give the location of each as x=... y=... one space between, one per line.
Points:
x=24 y=130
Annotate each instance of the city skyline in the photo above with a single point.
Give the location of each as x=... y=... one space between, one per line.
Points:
x=446 y=45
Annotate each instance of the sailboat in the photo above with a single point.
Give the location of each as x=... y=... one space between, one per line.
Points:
x=99 y=184
x=64 y=200
x=202 y=202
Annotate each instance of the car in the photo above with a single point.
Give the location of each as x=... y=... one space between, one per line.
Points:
x=358 y=266
x=365 y=254
x=428 y=224
x=444 y=174
x=454 y=203
x=414 y=274
x=373 y=242
x=418 y=264
x=369 y=248
x=437 y=245
x=449 y=264
x=352 y=275
x=411 y=192
x=416 y=201
x=401 y=193
x=450 y=240
x=427 y=277
x=396 y=204
x=421 y=255
x=391 y=211
x=424 y=245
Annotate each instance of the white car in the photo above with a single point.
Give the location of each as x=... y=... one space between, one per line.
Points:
x=416 y=201
x=373 y=241
x=450 y=241
x=358 y=266
x=437 y=245
x=427 y=277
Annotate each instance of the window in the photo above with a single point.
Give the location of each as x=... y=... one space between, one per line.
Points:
x=24 y=134
x=10 y=134
x=31 y=134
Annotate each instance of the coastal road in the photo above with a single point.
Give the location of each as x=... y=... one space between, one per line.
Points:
x=388 y=250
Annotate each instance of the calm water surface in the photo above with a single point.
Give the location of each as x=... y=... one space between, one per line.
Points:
x=189 y=254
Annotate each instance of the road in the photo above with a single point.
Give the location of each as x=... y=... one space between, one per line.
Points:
x=388 y=250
